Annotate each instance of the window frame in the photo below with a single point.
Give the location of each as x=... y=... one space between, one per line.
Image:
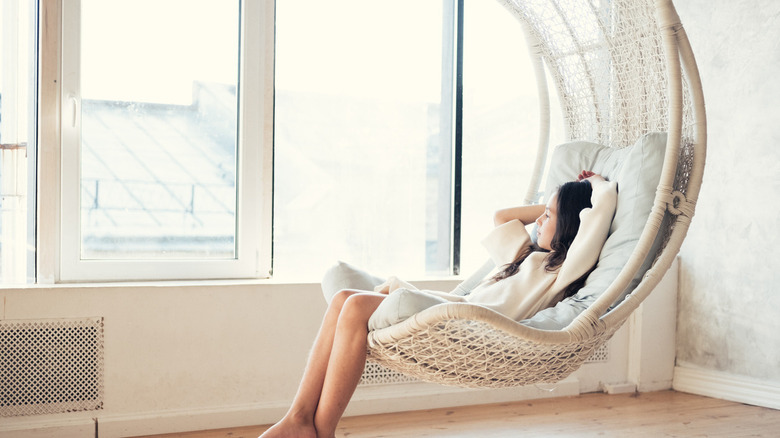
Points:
x=60 y=149
x=58 y=206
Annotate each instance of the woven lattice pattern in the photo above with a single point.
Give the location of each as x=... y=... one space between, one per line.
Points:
x=606 y=60
x=51 y=366
x=622 y=68
x=469 y=353
x=376 y=374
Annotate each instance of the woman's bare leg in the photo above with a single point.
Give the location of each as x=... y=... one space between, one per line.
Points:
x=299 y=420
x=347 y=361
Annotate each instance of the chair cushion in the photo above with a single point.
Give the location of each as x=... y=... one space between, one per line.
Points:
x=637 y=170
x=400 y=305
x=345 y=276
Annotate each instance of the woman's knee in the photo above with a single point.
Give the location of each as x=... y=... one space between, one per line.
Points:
x=357 y=308
x=341 y=297
x=340 y=300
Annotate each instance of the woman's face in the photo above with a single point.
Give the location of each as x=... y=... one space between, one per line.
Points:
x=546 y=224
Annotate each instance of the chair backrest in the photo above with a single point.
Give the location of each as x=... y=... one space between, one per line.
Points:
x=637 y=171
x=607 y=63
x=623 y=69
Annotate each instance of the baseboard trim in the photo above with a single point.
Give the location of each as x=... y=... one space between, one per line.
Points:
x=367 y=400
x=727 y=386
x=418 y=396
x=46 y=426
x=155 y=423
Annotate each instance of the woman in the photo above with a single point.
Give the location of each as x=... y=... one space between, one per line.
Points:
x=338 y=357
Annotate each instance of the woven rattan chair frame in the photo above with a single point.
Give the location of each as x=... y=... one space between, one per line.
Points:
x=621 y=70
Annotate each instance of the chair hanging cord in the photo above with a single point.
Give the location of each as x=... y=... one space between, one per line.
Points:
x=678 y=204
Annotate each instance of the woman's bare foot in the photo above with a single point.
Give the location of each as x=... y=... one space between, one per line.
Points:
x=288 y=428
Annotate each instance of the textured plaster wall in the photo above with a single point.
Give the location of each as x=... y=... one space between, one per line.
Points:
x=729 y=313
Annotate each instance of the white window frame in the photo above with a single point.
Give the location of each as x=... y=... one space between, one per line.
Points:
x=60 y=239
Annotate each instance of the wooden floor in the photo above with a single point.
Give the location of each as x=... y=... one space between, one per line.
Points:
x=655 y=414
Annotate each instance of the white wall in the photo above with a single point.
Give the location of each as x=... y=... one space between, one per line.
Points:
x=211 y=355
x=183 y=351
x=202 y=356
x=729 y=304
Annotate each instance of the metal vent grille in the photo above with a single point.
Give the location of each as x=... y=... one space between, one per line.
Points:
x=601 y=354
x=375 y=374
x=50 y=366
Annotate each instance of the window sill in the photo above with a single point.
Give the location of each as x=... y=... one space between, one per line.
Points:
x=429 y=282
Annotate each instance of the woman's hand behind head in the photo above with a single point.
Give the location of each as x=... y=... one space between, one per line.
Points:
x=590 y=176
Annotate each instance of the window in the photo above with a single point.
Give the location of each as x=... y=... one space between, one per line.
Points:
x=162 y=140
x=500 y=121
x=386 y=134
x=17 y=138
x=362 y=138
x=158 y=153
x=369 y=163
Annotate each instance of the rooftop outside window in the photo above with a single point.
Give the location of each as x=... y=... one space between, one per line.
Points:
x=159 y=118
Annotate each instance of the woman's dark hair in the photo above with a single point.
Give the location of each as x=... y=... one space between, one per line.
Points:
x=573 y=197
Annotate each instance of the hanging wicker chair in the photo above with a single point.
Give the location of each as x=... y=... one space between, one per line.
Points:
x=622 y=69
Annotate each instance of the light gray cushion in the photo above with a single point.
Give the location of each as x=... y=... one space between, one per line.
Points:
x=637 y=170
x=345 y=276
x=405 y=302
x=399 y=306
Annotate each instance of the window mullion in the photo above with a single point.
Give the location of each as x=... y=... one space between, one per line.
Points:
x=458 y=143
x=444 y=167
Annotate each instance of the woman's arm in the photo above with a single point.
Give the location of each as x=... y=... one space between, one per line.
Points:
x=526 y=214
x=592 y=233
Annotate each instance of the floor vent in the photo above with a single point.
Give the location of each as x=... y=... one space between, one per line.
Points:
x=50 y=366
x=375 y=374
x=601 y=354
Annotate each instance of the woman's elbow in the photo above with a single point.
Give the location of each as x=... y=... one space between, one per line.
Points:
x=500 y=217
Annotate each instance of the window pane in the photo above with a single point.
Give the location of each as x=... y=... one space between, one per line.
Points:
x=159 y=128
x=359 y=159
x=17 y=129
x=500 y=121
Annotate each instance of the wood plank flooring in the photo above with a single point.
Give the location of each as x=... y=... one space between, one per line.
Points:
x=655 y=414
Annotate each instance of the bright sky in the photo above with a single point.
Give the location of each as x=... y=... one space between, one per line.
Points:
x=392 y=50
x=130 y=51
x=387 y=50
x=384 y=50
x=15 y=37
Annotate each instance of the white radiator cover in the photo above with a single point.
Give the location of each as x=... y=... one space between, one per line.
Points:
x=51 y=366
